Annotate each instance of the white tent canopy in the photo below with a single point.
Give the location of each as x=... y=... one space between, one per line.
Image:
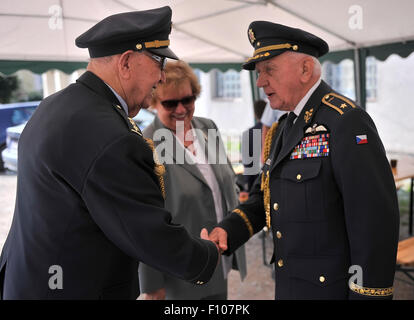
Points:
x=213 y=31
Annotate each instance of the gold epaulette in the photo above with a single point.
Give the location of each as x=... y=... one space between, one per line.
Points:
x=159 y=169
x=338 y=102
x=264 y=186
x=246 y=220
x=372 y=292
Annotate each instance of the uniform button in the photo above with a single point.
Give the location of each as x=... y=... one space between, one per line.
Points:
x=276 y=206
x=278 y=234
x=322 y=279
x=280 y=263
x=299 y=176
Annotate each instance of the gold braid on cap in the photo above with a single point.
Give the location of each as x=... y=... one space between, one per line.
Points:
x=159 y=169
x=264 y=186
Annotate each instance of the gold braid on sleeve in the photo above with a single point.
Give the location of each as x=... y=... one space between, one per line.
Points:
x=264 y=186
x=246 y=221
x=159 y=169
x=373 y=292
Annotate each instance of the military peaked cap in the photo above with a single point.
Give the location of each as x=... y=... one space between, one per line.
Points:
x=271 y=39
x=136 y=30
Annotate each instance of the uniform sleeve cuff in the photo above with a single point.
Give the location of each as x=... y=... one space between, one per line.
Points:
x=211 y=264
x=238 y=230
x=357 y=292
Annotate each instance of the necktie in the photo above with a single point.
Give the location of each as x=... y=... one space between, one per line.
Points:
x=288 y=126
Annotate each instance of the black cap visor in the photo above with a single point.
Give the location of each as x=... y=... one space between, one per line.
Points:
x=164 y=52
x=250 y=64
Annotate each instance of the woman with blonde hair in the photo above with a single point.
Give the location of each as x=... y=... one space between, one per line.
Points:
x=198 y=192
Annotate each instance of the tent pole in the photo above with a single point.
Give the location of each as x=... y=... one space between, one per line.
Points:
x=360 y=76
x=357 y=77
x=254 y=88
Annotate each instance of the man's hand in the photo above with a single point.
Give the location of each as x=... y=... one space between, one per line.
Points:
x=156 y=295
x=218 y=236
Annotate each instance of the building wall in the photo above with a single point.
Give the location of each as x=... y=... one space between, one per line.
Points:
x=230 y=115
x=393 y=110
x=390 y=108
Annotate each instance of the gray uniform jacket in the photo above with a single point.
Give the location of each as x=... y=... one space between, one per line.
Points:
x=190 y=201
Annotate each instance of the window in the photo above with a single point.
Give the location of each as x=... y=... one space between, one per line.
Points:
x=226 y=85
x=340 y=77
x=371 y=78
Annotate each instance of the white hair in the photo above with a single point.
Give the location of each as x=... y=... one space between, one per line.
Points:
x=299 y=56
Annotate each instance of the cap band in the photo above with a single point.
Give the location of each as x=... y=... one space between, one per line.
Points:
x=276 y=47
x=157 y=44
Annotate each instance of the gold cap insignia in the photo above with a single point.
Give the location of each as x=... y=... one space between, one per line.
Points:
x=251 y=36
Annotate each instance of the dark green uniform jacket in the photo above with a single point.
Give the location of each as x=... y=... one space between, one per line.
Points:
x=89 y=203
x=331 y=202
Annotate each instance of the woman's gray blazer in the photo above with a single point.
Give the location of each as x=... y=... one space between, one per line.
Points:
x=190 y=201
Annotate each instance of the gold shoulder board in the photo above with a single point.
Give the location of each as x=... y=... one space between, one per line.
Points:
x=338 y=102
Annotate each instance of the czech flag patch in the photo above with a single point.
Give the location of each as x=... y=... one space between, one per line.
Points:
x=362 y=139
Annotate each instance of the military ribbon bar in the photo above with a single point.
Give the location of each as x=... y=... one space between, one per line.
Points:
x=312 y=147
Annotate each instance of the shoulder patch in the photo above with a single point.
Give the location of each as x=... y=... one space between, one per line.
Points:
x=340 y=103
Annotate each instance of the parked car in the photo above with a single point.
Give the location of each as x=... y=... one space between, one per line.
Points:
x=13 y=114
x=9 y=154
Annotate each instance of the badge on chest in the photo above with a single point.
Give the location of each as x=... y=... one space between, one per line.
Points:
x=314 y=144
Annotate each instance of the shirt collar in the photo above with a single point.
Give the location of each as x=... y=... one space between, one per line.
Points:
x=305 y=99
x=121 y=101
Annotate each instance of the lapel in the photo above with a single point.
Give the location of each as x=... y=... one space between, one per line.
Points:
x=216 y=167
x=278 y=142
x=179 y=149
x=94 y=83
x=303 y=120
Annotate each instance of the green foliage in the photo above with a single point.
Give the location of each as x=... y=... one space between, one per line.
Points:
x=7 y=86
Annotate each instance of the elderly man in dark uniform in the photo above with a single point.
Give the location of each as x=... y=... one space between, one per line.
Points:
x=90 y=197
x=326 y=190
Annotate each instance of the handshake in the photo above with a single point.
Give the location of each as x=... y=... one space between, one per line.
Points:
x=218 y=236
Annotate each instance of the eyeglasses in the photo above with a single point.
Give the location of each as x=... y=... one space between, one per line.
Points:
x=161 y=60
x=172 y=104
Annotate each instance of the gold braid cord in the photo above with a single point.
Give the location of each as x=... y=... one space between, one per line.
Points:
x=265 y=176
x=159 y=169
x=373 y=292
x=246 y=221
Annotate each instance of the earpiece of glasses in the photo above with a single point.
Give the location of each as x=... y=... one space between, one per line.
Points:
x=172 y=104
x=161 y=60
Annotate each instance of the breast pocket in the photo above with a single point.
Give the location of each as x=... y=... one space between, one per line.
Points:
x=302 y=190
